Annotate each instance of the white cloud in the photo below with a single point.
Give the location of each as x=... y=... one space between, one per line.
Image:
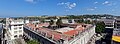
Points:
x=113 y=10
x=95 y=7
x=92 y=9
x=61 y=3
x=106 y=2
x=95 y=2
x=32 y=1
x=68 y=5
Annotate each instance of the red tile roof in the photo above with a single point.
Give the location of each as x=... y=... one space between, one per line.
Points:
x=71 y=33
x=57 y=36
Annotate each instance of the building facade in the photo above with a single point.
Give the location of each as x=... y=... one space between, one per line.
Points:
x=81 y=34
x=116 y=32
x=68 y=21
x=1 y=33
x=14 y=28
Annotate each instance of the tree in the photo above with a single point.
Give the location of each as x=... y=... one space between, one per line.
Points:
x=33 y=42
x=100 y=27
x=59 y=22
x=51 y=22
x=87 y=22
x=3 y=21
x=79 y=21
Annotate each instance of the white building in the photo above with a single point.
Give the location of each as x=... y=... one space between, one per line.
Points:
x=84 y=37
x=109 y=23
x=68 y=21
x=15 y=28
x=26 y=21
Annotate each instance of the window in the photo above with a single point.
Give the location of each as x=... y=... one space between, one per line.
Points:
x=20 y=31
x=15 y=31
x=20 y=27
x=15 y=36
x=109 y=25
x=15 y=28
x=15 y=25
x=70 y=21
x=20 y=35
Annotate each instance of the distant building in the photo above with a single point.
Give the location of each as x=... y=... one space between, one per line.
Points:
x=1 y=33
x=68 y=21
x=109 y=23
x=15 y=28
x=26 y=21
x=117 y=23
x=116 y=32
x=35 y=21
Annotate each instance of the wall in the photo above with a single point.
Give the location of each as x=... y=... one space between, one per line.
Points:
x=37 y=37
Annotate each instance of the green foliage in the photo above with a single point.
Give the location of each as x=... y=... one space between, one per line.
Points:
x=88 y=22
x=32 y=42
x=3 y=21
x=74 y=17
x=79 y=21
x=59 y=22
x=100 y=27
x=51 y=22
x=51 y=17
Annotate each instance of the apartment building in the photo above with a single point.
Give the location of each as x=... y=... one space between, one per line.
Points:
x=109 y=23
x=117 y=23
x=116 y=32
x=1 y=33
x=14 y=28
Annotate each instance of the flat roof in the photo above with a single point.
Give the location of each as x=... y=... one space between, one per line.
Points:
x=65 y=29
x=66 y=32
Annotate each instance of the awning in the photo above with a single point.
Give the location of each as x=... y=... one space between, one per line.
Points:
x=116 y=38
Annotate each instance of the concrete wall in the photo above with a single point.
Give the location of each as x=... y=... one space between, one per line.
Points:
x=84 y=37
x=37 y=37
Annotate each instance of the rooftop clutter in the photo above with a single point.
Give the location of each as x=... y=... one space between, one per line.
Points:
x=65 y=33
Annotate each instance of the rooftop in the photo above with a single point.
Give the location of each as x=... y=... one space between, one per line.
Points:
x=61 y=33
x=65 y=29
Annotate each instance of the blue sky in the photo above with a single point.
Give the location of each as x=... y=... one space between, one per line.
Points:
x=12 y=8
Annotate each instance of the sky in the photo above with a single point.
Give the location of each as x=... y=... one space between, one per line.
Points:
x=12 y=8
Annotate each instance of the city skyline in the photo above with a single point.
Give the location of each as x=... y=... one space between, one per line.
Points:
x=11 y=8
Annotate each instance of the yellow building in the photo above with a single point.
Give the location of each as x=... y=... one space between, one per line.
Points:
x=116 y=38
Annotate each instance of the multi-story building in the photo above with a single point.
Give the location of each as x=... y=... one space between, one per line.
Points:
x=69 y=34
x=1 y=33
x=117 y=23
x=109 y=23
x=14 y=28
x=116 y=32
x=68 y=21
